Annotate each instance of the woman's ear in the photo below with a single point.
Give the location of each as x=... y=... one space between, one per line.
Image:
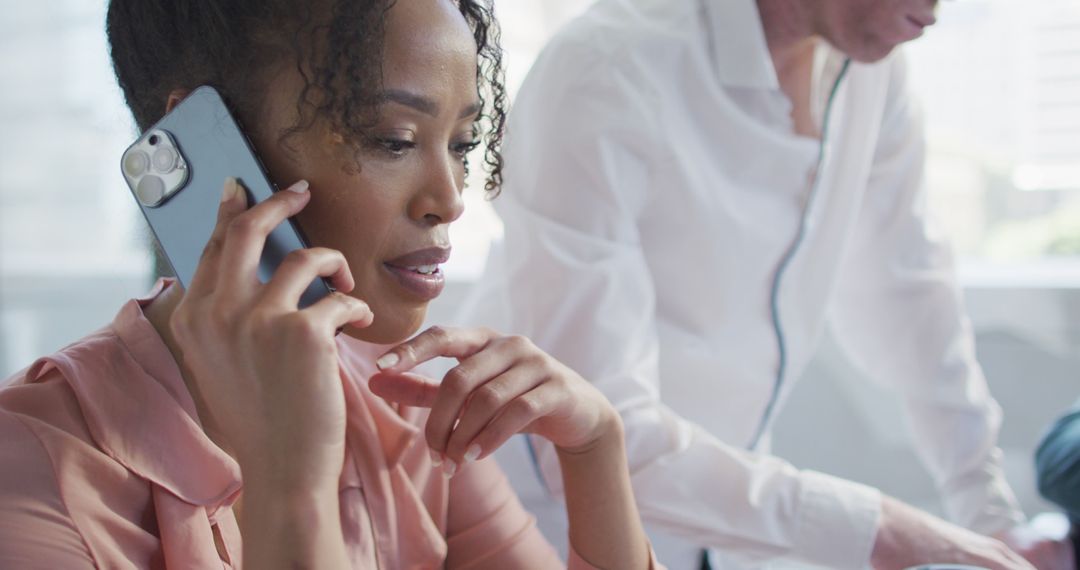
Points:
x=175 y=97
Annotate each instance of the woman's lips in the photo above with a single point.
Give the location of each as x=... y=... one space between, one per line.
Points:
x=426 y=286
x=418 y=272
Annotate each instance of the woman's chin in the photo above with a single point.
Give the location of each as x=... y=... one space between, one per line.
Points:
x=388 y=331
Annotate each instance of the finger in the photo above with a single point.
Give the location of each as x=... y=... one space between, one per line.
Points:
x=245 y=236
x=456 y=387
x=434 y=342
x=484 y=405
x=404 y=388
x=302 y=266
x=233 y=203
x=336 y=310
x=516 y=417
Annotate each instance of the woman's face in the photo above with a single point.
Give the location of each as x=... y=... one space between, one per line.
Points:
x=390 y=216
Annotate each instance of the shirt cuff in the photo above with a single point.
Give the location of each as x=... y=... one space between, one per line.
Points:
x=837 y=521
x=982 y=500
x=576 y=562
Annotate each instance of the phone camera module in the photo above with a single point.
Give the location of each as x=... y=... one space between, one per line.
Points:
x=136 y=163
x=154 y=168
x=165 y=160
x=151 y=190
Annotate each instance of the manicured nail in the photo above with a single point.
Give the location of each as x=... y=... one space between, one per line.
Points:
x=230 y=190
x=436 y=458
x=449 y=468
x=472 y=453
x=300 y=186
x=387 y=360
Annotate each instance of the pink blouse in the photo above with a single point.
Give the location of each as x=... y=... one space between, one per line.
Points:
x=105 y=464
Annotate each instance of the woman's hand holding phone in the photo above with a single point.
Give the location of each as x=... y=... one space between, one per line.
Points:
x=267 y=373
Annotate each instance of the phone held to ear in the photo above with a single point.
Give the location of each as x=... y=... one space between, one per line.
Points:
x=176 y=171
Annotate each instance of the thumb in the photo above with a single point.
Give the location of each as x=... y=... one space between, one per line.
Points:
x=404 y=388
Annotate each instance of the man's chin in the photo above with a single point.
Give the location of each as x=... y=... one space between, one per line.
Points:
x=863 y=52
x=871 y=54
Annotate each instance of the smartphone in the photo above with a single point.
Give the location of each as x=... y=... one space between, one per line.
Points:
x=176 y=171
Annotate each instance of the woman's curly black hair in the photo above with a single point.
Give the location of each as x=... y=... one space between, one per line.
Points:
x=161 y=45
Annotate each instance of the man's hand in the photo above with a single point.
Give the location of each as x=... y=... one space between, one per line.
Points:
x=909 y=537
x=1044 y=550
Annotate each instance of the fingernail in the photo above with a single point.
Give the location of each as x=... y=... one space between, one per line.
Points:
x=472 y=453
x=449 y=468
x=387 y=360
x=299 y=187
x=229 y=191
x=436 y=459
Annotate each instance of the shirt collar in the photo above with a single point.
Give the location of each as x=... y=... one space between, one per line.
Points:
x=738 y=44
x=138 y=410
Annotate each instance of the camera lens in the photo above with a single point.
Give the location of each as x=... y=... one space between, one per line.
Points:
x=153 y=140
x=135 y=163
x=164 y=160
x=150 y=190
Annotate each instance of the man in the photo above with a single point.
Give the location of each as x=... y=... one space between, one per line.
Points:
x=693 y=189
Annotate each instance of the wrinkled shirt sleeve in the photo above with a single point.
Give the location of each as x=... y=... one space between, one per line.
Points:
x=578 y=285
x=487 y=526
x=36 y=530
x=1057 y=463
x=900 y=318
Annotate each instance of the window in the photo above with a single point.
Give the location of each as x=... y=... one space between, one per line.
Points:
x=1000 y=85
x=526 y=27
x=72 y=242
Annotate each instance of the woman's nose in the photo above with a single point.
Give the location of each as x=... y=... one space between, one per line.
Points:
x=439 y=200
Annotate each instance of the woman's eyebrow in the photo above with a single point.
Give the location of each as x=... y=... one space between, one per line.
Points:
x=412 y=100
x=421 y=103
x=471 y=110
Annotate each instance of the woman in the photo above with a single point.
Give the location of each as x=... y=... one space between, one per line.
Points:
x=126 y=449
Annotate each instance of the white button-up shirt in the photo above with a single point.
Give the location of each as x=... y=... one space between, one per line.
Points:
x=654 y=186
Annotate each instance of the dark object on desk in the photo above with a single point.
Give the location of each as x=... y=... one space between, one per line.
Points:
x=1057 y=463
x=1057 y=469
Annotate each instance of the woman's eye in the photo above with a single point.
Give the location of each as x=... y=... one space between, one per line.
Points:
x=396 y=147
x=463 y=148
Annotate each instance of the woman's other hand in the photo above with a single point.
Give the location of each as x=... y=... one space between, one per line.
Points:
x=504 y=385
x=267 y=373
x=501 y=386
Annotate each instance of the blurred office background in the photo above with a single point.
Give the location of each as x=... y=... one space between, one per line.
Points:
x=1000 y=83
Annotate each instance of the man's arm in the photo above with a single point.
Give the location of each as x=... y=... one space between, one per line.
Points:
x=899 y=316
x=685 y=479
